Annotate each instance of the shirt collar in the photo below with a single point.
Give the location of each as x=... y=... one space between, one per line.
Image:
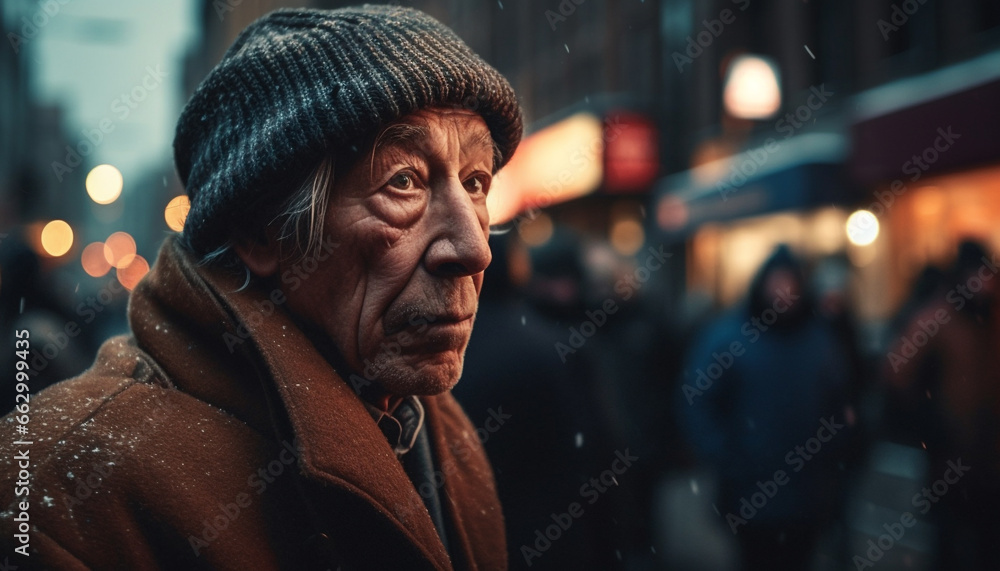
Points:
x=401 y=424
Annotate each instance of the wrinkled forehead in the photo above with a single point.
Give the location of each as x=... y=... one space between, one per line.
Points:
x=437 y=132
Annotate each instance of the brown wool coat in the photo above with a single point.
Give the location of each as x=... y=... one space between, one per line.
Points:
x=216 y=436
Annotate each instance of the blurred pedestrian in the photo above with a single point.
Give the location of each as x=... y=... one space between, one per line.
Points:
x=64 y=340
x=943 y=372
x=551 y=441
x=764 y=406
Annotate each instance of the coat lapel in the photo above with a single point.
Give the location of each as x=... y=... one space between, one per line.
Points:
x=469 y=492
x=338 y=440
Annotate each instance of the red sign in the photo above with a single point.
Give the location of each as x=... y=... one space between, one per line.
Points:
x=631 y=153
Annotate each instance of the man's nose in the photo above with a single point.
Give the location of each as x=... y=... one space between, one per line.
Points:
x=461 y=228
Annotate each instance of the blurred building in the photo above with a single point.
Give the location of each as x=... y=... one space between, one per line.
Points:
x=30 y=135
x=924 y=150
x=88 y=102
x=863 y=88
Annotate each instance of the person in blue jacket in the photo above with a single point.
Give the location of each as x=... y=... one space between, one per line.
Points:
x=764 y=405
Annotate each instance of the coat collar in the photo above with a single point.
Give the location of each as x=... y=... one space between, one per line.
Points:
x=216 y=343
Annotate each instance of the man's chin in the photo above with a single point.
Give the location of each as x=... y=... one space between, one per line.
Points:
x=428 y=377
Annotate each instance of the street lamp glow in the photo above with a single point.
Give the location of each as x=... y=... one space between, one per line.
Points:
x=119 y=249
x=538 y=230
x=176 y=212
x=752 y=90
x=104 y=184
x=57 y=238
x=627 y=236
x=862 y=228
x=93 y=261
x=130 y=275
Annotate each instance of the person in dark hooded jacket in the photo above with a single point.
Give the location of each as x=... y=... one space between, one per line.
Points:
x=942 y=372
x=763 y=406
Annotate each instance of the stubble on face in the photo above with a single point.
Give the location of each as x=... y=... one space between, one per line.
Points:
x=399 y=302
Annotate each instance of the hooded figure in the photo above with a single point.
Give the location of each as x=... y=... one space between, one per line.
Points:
x=942 y=369
x=282 y=400
x=763 y=406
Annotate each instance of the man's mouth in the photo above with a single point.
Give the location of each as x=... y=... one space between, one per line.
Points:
x=432 y=333
x=418 y=322
x=447 y=320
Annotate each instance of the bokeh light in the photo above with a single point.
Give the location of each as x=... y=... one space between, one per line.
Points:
x=93 y=261
x=130 y=275
x=752 y=90
x=57 y=238
x=627 y=236
x=862 y=228
x=104 y=184
x=536 y=231
x=119 y=249
x=176 y=212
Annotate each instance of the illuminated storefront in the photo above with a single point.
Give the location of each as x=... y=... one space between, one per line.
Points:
x=733 y=211
x=589 y=170
x=925 y=149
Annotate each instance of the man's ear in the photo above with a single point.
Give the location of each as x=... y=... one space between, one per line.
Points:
x=261 y=255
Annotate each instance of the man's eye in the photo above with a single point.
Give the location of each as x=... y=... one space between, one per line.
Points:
x=402 y=181
x=476 y=184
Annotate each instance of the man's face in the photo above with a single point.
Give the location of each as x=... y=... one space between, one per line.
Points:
x=399 y=293
x=781 y=280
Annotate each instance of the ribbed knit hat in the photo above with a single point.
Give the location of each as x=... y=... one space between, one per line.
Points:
x=299 y=84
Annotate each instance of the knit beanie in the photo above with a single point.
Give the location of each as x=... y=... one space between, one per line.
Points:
x=300 y=84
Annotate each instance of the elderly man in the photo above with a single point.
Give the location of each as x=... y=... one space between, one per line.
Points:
x=283 y=399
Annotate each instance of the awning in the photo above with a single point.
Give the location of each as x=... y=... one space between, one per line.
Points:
x=897 y=125
x=796 y=173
